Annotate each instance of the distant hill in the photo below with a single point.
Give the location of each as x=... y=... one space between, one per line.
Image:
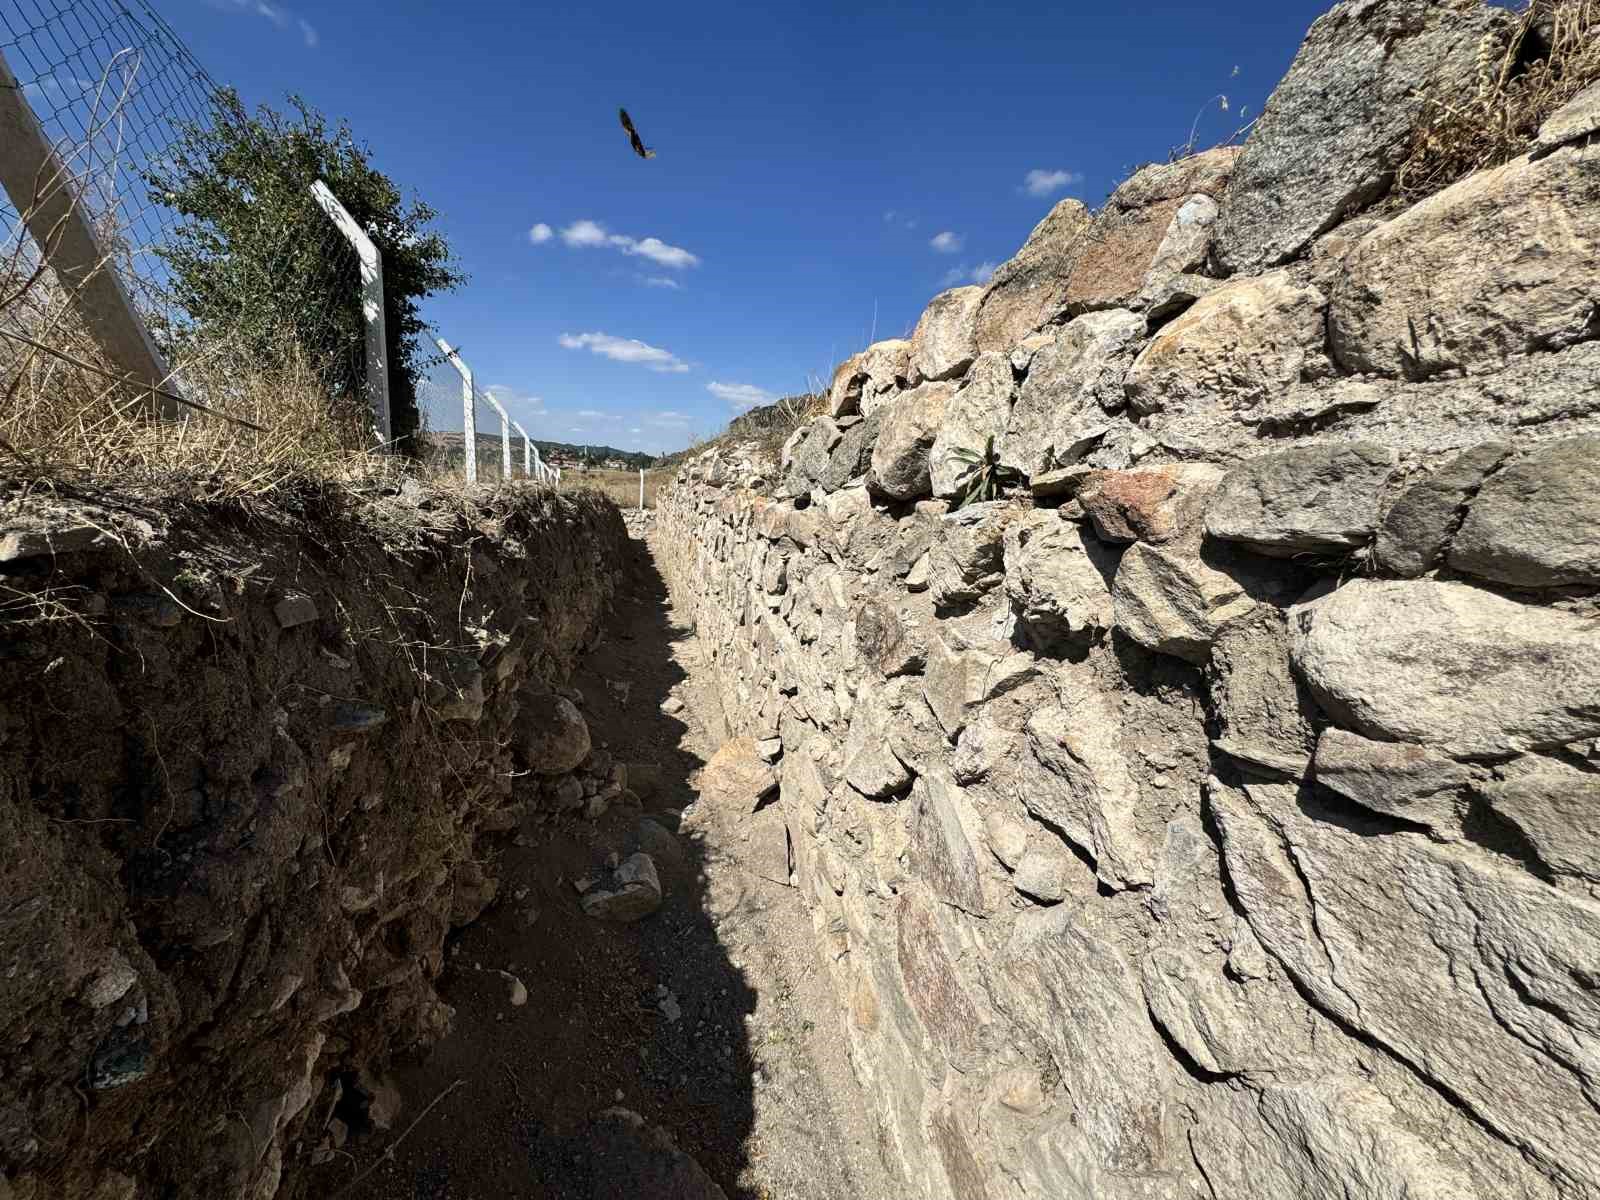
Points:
x=448 y=442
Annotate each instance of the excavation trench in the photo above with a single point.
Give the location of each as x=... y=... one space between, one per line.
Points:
x=708 y=1018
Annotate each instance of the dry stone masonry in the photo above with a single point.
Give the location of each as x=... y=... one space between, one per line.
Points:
x=1219 y=815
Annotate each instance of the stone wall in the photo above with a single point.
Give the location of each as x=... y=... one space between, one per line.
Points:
x=1218 y=814
x=247 y=754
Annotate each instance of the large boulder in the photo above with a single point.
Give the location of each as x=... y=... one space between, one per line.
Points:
x=551 y=735
x=1072 y=384
x=910 y=424
x=1536 y=521
x=1157 y=222
x=1338 y=124
x=1235 y=347
x=1029 y=290
x=945 y=342
x=1450 y=666
x=1312 y=499
x=978 y=412
x=1503 y=263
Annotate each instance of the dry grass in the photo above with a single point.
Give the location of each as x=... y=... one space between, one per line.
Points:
x=622 y=487
x=59 y=419
x=1527 y=71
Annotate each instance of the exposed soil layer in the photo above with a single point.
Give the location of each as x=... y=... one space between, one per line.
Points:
x=246 y=755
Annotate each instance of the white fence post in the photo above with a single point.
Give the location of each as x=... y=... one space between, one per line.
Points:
x=371 y=306
x=41 y=191
x=505 y=435
x=527 y=450
x=469 y=418
x=641 y=489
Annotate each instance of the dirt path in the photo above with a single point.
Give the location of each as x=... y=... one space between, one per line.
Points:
x=709 y=1018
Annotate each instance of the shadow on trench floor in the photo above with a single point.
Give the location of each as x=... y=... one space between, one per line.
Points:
x=649 y=1016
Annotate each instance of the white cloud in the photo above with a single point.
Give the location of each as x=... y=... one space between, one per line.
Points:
x=540 y=233
x=667 y=417
x=963 y=274
x=657 y=251
x=741 y=395
x=947 y=242
x=594 y=414
x=282 y=17
x=627 y=350
x=1043 y=183
x=585 y=234
x=660 y=281
x=635 y=429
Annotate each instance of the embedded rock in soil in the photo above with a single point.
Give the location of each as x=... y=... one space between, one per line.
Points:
x=627 y=893
x=552 y=735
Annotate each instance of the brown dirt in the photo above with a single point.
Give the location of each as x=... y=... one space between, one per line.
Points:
x=751 y=1080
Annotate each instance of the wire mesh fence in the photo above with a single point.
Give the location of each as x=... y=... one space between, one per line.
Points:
x=142 y=146
x=156 y=234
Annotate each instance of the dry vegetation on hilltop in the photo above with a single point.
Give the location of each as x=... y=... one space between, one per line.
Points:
x=1526 y=71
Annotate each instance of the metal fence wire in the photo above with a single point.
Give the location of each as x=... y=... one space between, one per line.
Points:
x=129 y=114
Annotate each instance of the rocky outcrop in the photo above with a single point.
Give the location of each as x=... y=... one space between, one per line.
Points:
x=248 y=755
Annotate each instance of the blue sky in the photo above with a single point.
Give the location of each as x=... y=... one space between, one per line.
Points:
x=821 y=167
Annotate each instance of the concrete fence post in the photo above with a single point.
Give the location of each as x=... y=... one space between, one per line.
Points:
x=469 y=416
x=505 y=435
x=41 y=190
x=527 y=451
x=641 y=489
x=377 y=381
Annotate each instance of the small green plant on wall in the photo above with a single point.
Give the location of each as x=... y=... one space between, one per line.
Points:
x=985 y=476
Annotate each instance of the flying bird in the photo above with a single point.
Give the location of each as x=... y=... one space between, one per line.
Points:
x=639 y=147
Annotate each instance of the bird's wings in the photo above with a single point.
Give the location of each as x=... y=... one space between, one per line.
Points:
x=637 y=142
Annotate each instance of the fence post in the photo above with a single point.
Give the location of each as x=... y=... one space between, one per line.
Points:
x=505 y=435
x=41 y=190
x=469 y=418
x=527 y=450
x=641 y=489
x=377 y=380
